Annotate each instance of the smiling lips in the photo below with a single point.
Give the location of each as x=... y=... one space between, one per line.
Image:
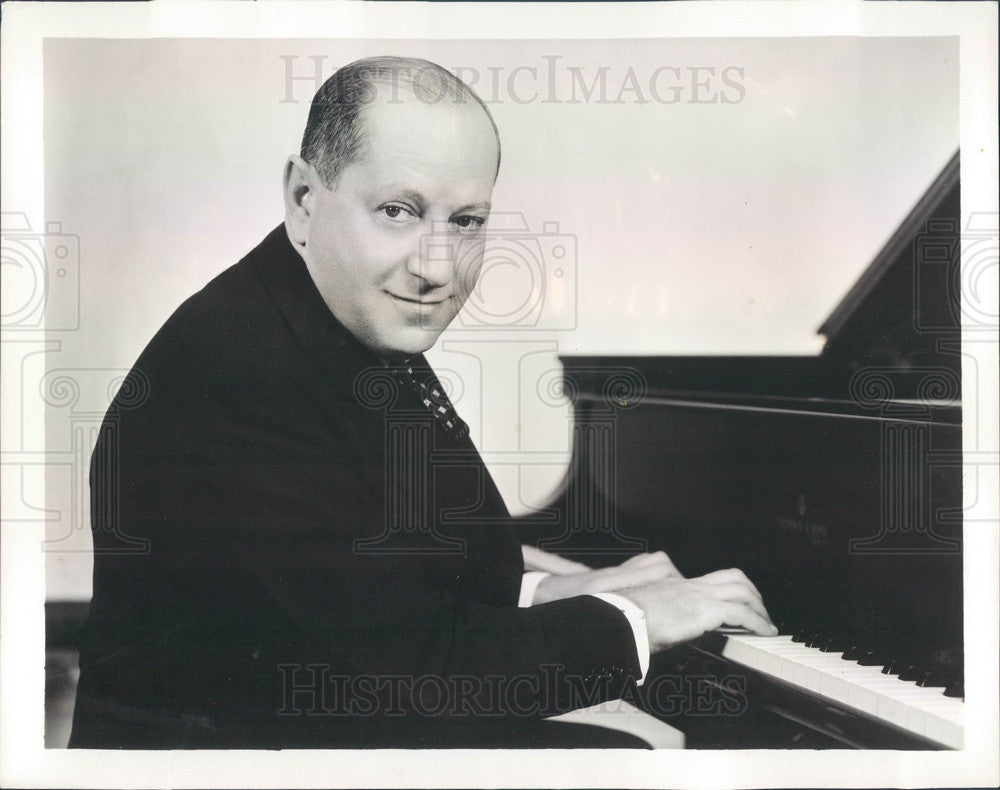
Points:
x=418 y=302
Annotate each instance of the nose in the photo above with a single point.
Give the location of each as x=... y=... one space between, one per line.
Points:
x=433 y=262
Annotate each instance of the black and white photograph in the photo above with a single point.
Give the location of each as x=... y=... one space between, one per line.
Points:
x=500 y=394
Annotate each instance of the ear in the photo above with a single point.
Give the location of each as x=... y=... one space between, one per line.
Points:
x=300 y=182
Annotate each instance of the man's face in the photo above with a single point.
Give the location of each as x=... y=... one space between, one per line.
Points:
x=426 y=173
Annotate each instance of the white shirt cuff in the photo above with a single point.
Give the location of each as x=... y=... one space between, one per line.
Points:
x=637 y=620
x=529 y=583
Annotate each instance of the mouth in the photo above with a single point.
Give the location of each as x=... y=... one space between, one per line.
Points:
x=416 y=302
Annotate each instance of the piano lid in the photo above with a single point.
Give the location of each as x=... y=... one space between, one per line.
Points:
x=900 y=323
x=904 y=309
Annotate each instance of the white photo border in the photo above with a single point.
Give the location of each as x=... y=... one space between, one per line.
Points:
x=24 y=761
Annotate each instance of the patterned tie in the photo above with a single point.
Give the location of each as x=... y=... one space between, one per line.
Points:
x=418 y=375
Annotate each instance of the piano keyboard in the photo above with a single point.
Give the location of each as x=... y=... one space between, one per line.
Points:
x=923 y=711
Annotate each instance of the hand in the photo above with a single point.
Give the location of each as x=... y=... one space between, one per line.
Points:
x=537 y=560
x=679 y=609
x=638 y=571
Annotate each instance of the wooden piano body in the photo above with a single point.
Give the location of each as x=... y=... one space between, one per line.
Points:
x=834 y=482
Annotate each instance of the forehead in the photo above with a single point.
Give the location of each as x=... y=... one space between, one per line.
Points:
x=445 y=142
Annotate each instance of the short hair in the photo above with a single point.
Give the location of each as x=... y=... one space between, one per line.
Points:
x=334 y=136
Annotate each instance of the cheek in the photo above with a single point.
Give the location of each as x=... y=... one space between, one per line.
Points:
x=331 y=248
x=375 y=253
x=468 y=267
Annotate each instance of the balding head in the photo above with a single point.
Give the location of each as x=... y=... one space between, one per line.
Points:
x=335 y=133
x=388 y=201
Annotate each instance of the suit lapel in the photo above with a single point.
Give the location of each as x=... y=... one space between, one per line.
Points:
x=351 y=378
x=338 y=359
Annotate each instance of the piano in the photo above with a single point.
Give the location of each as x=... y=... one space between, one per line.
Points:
x=834 y=481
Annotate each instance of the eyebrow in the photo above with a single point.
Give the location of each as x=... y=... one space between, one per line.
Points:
x=485 y=207
x=409 y=194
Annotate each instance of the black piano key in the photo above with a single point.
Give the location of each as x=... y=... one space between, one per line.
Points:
x=911 y=672
x=944 y=668
x=911 y=654
x=802 y=634
x=870 y=658
x=854 y=651
x=896 y=665
x=933 y=679
x=826 y=644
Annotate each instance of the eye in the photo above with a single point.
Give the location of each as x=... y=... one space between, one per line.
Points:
x=397 y=212
x=469 y=223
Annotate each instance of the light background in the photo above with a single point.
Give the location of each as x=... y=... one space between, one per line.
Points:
x=697 y=227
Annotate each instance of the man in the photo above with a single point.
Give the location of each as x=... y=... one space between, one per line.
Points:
x=314 y=576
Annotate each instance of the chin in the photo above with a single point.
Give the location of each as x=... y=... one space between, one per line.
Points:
x=410 y=341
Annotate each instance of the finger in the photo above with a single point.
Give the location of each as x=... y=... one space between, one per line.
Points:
x=733 y=591
x=570 y=567
x=639 y=560
x=729 y=576
x=538 y=560
x=739 y=593
x=665 y=560
x=725 y=576
x=738 y=615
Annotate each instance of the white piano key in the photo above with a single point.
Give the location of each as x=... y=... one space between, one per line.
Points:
x=920 y=710
x=945 y=714
x=768 y=642
x=943 y=731
x=913 y=719
x=891 y=710
x=808 y=677
x=862 y=698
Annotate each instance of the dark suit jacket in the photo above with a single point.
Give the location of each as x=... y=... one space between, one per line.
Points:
x=280 y=597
